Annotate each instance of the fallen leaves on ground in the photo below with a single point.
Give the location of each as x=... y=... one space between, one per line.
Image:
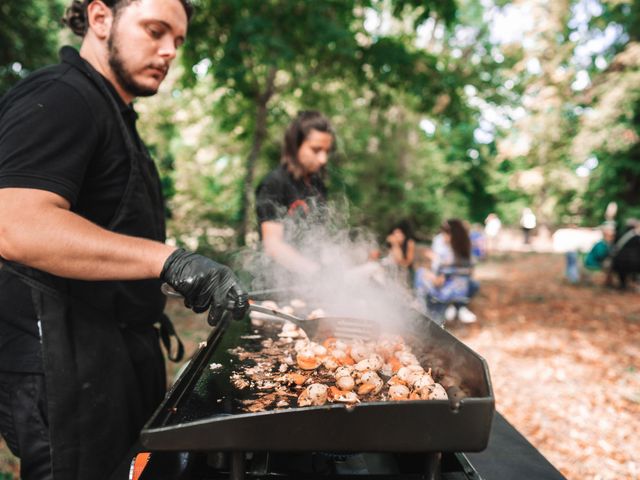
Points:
x=564 y=362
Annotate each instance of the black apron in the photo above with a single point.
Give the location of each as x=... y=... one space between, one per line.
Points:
x=104 y=369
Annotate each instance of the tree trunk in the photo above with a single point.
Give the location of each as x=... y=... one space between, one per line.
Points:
x=259 y=135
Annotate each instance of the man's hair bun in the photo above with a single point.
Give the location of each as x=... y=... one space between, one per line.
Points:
x=75 y=17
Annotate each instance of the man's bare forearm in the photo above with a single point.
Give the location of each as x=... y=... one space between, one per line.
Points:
x=38 y=230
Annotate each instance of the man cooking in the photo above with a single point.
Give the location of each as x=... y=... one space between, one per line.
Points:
x=82 y=246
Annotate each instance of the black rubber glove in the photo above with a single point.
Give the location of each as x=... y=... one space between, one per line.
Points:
x=205 y=284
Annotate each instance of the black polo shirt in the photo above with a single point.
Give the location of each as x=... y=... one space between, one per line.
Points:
x=57 y=133
x=281 y=197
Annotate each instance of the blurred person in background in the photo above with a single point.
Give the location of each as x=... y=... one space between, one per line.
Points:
x=82 y=250
x=295 y=191
x=625 y=254
x=527 y=224
x=441 y=248
x=402 y=247
x=452 y=258
x=598 y=259
x=478 y=242
x=610 y=213
x=425 y=279
x=492 y=226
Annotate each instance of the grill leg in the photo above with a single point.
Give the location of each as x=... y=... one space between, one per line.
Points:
x=237 y=466
x=432 y=468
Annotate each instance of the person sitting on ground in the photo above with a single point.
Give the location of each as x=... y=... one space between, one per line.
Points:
x=438 y=293
x=440 y=245
x=453 y=260
x=598 y=258
x=425 y=280
x=401 y=250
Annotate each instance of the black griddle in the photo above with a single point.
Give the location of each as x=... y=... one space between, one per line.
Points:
x=203 y=410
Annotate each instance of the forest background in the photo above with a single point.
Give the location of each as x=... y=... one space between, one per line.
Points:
x=442 y=108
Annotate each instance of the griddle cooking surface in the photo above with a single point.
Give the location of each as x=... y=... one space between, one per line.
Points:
x=213 y=393
x=205 y=411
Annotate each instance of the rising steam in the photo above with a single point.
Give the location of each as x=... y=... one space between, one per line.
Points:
x=349 y=283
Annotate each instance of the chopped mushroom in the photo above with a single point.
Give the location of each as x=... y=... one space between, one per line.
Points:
x=371 y=383
x=346 y=383
x=438 y=393
x=342 y=396
x=278 y=369
x=297 y=303
x=314 y=394
x=317 y=313
x=399 y=392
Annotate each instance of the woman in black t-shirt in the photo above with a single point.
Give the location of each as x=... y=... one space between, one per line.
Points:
x=293 y=192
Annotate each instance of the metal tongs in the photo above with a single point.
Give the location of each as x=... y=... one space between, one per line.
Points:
x=345 y=328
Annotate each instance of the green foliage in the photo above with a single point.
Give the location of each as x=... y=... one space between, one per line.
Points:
x=617 y=178
x=622 y=12
x=391 y=67
x=28 y=37
x=443 y=10
x=377 y=84
x=283 y=56
x=245 y=37
x=609 y=129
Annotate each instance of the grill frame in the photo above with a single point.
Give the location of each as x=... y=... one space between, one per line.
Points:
x=410 y=426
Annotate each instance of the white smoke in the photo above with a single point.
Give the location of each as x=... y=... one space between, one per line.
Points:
x=349 y=283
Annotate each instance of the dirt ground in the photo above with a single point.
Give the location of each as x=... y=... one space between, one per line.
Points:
x=564 y=362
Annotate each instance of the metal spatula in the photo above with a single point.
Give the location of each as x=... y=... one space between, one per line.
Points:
x=344 y=328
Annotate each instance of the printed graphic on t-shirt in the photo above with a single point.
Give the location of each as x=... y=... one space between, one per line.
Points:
x=298 y=208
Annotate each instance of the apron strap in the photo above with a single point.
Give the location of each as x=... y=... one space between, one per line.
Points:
x=167 y=332
x=31 y=282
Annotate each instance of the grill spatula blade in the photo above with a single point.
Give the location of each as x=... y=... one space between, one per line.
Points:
x=345 y=328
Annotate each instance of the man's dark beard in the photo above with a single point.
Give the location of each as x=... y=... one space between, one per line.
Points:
x=124 y=77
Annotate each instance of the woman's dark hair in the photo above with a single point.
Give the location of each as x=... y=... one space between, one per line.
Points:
x=406 y=229
x=296 y=133
x=75 y=16
x=460 y=240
